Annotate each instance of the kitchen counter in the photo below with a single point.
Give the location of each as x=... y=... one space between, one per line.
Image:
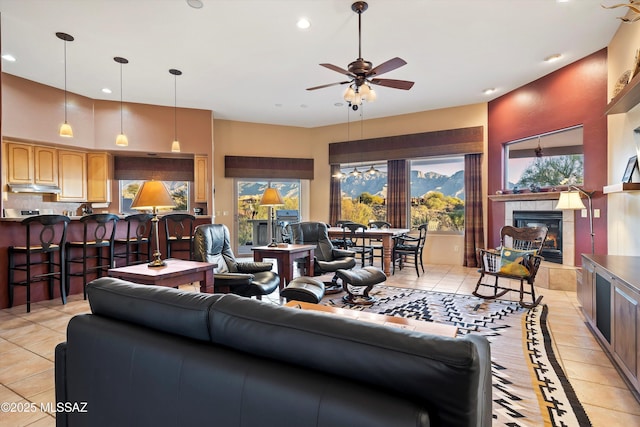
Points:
x=12 y=233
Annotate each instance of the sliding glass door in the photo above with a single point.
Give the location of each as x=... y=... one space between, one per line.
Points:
x=252 y=219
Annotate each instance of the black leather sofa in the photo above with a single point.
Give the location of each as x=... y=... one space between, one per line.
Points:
x=152 y=356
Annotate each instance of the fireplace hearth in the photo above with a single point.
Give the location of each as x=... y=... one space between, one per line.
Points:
x=552 y=249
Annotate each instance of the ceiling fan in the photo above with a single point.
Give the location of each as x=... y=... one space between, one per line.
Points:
x=362 y=72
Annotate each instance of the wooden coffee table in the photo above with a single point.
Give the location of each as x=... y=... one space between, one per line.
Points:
x=177 y=272
x=381 y=319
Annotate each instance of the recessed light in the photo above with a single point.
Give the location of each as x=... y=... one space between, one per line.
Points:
x=489 y=90
x=338 y=104
x=303 y=23
x=278 y=105
x=106 y=90
x=8 y=57
x=303 y=105
x=196 y=4
x=552 y=58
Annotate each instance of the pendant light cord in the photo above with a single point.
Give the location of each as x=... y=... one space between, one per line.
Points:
x=65 y=81
x=175 y=107
x=121 y=132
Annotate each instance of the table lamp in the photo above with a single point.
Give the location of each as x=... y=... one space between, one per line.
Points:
x=570 y=200
x=153 y=195
x=271 y=197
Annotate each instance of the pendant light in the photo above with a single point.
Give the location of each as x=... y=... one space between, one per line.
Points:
x=121 y=139
x=65 y=128
x=175 y=145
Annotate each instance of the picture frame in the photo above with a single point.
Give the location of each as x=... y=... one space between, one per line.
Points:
x=632 y=165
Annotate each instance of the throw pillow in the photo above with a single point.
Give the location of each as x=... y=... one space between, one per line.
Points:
x=511 y=262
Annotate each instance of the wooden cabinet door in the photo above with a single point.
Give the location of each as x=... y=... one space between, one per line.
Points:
x=585 y=291
x=45 y=165
x=98 y=177
x=625 y=345
x=200 y=177
x=19 y=163
x=72 y=171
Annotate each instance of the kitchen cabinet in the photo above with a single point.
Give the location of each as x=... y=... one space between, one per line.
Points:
x=615 y=314
x=99 y=177
x=45 y=165
x=20 y=167
x=72 y=176
x=31 y=164
x=200 y=177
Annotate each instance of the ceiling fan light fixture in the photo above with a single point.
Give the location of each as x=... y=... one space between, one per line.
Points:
x=372 y=95
x=349 y=94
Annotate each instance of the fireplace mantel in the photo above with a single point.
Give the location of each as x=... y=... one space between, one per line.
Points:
x=543 y=195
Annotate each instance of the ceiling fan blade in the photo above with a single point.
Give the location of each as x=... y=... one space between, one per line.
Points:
x=396 y=84
x=385 y=67
x=338 y=69
x=328 y=85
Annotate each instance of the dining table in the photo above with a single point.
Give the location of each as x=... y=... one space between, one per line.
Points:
x=385 y=235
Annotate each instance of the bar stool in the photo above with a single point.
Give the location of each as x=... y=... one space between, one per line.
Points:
x=137 y=244
x=45 y=236
x=178 y=230
x=99 y=231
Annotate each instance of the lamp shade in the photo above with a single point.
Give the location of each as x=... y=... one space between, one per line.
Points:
x=570 y=200
x=65 y=130
x=122 y=140
x=175 y=146
x=152 y=194
x=271 y=197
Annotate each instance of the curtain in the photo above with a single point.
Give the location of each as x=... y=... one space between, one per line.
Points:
x=335 y=199
x=397 y=193
x=473 y=219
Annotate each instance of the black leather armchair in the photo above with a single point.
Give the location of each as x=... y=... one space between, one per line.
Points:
x=212 y=244
x=328 y=259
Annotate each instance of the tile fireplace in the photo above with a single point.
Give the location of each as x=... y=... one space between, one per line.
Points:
x=552 y=248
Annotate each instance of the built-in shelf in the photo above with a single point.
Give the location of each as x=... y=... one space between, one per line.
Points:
x=628 y=98
x=546 y=195
x=621 y=187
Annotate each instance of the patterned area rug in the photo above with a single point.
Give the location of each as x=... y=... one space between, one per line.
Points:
x=529 y=385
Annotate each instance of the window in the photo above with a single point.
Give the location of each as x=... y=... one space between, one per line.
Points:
x=253 y=218
x=437 y=194
x=179 y=191
x=546 y=160
x=364 y=192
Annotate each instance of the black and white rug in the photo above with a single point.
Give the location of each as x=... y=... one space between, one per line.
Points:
x=529 y=385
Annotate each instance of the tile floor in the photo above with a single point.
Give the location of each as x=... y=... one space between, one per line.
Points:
x=27 y=342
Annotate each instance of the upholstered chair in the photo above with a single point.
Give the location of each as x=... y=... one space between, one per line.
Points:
x=328 y=258
x=211 y=243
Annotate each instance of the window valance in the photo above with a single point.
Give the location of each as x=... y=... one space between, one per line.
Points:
x=161 y=169
x=267 y=167
x=427 y=144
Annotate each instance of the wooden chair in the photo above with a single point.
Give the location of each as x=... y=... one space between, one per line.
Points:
x=137 y=245
x=359 y=244
x=376 y=244
x=178 y=229
x=516 y=259
x=94 y=252
x=45 y=236
x=409 y=248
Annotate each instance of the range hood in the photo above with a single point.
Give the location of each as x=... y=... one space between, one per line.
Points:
x=34 y=188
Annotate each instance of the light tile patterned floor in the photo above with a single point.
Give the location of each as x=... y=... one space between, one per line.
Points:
x=27 y=342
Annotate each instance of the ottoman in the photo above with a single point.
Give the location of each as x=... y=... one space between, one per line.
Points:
x=306 y=289
x=358 y=283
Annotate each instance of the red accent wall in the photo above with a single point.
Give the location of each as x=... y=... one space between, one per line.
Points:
x=574 y=95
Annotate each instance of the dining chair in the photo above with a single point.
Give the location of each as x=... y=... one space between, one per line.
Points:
x=409 y=248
